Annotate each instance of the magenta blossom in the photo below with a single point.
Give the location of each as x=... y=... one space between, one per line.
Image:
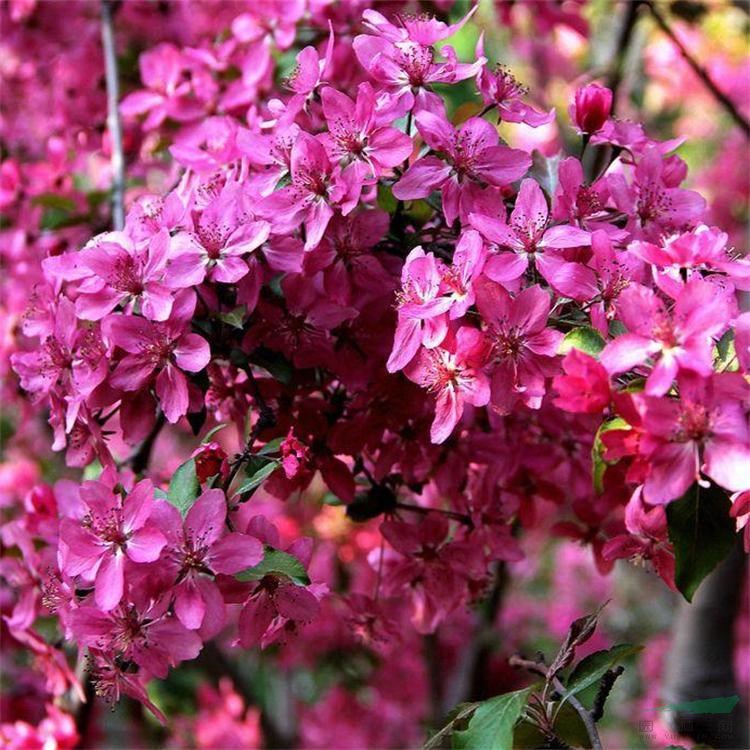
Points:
x=276 y=605
x=222 y=234
x=114 y=271
x=142 y=631
x=706 y=431
x=108 y=529
x=162 y=349
x=654 y=203
x=421 y=309
x=310 y=198
x=527 y=234
x=168 y=92
x=591 y=108
x=403 y=60
x=358 y=137
x=523 y=350
x=452 y=373
x=682 y=338
x=197 y=549
x=500 y=89
x=466 y=157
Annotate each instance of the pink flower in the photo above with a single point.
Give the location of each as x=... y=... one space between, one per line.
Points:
x=222 y=234
x=351 y=270
x=683 y=338
x=584 y=385
x=109 y=529
x=421 y=311
x=358 y=136
x=198 y=549
x=114 y=271
x=168 y=92
x=654 y=204
x=311 y=195
x=164 y=348
x=402 y=59
x=591 y=108
x=706 y=431
x=646 y=539
x=452 y=372
x=704 y=248
x=309 y=71
x=528 y=236
x=276 y=605
x=429 y=567
x=583 y=205
x=524 y=350
x=500 y=89
x=468 y=156
x=143 y=632
x=615 y=270
x=458 y=279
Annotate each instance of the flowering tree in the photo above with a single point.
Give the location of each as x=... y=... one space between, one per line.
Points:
x=347 y=359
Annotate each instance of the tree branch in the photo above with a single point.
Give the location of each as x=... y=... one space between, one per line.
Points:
x=541 y=669
x=114 y=124
x=718 y=94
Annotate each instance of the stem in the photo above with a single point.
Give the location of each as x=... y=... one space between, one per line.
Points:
x=541 y=669
x=113 y=114
x=455 y=515
x=718 y=94
x=266 y=418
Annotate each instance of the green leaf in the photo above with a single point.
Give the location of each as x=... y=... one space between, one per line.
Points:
x=53 y=200
x=235 y=318
x=460 y=713
x=207 y=437
x=491 y=725
x=275 y=363
x=585 y=338
x=702 y=534
x=599 y=464
x=591 y=669
x=276 y=562
x=184 y=487
x=258 y=477
x=725 y=354
x=272 y=446
x=569 y=727
x=386 y=201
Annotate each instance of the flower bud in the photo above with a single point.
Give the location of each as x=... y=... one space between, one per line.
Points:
x=209 y=460
x=591 y=108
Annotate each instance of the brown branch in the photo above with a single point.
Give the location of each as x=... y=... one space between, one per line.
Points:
x=541 y=669
x=114 y=124
x=718 y=94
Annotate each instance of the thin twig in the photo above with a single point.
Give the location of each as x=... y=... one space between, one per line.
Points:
x=114 y=124
x=266 y=419
x=580 y=709
x=718 y=94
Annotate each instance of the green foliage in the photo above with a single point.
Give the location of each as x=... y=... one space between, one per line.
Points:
x=276 y=562
x=259 y=469
x=599 y=464
x=184 y=487
x=491 y=724
x=702 y=534
x=585 y=338
x=593 y=667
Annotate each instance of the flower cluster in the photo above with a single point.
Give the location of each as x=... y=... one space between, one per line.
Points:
x=360 y=316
